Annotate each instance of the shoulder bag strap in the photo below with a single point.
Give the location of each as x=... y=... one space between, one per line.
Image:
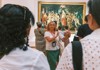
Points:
x=77 y=55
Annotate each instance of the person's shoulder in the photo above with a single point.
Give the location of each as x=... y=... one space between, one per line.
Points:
x=47 y=32
x=68 y=48
x=86 y=38
x=81 y=27
x=34 y=51
x=85 y=25
x=41 y=28
x=30 y=52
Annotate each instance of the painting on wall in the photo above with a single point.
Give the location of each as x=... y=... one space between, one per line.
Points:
x=69 y=14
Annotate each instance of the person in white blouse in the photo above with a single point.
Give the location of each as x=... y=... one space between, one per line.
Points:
x=90 y=43
x=52 y=46
x=14 y=30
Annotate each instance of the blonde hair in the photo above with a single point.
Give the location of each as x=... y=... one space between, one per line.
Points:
x=49 y=24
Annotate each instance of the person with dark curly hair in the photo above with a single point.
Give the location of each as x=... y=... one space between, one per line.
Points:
x=14 y=30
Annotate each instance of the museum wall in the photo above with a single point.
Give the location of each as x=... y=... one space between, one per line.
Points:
x=0 y=2
x=33 y=6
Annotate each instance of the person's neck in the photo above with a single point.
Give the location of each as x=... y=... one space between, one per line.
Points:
x=52 y=31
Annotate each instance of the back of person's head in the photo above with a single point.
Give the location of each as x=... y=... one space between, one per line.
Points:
x=94 y=10
x=14 y=24
x=39 y=24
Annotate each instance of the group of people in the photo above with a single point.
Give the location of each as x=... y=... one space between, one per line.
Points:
x=49 y=40
x=15 y=53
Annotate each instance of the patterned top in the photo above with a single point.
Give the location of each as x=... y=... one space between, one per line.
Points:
x=91 y=53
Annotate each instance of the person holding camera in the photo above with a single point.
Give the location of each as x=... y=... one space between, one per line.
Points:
x=52 y=46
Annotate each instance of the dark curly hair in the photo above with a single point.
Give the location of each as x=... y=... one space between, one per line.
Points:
x=14 y=21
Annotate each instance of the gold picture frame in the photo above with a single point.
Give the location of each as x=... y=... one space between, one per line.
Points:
x=66 y=13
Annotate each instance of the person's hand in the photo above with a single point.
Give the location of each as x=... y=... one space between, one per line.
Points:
x=67 y=34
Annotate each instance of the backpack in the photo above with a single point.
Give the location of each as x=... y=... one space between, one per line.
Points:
x=77 y=55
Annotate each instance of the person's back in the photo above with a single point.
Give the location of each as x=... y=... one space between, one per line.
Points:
x=90 y=43
x=31 y=59
x=91 y=53
x=39 y=40
x=15 y=53
x=39 y=33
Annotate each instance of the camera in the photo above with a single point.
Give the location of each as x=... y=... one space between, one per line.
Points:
x=54 y=44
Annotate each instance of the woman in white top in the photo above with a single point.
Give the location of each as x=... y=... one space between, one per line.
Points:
x=14 y=30
x=52 y=46
x=90 y=43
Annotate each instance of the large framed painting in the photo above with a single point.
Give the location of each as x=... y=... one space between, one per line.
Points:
x=69 y=14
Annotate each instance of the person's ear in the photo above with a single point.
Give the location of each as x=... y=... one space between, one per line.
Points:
x=91 y=21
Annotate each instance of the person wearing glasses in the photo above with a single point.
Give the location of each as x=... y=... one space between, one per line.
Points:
x=90 y=44
x=15 y=53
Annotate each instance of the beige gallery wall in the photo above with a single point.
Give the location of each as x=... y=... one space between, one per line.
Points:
x=0 y=2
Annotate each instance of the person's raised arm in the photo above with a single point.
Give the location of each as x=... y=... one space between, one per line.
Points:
x=50 y=39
